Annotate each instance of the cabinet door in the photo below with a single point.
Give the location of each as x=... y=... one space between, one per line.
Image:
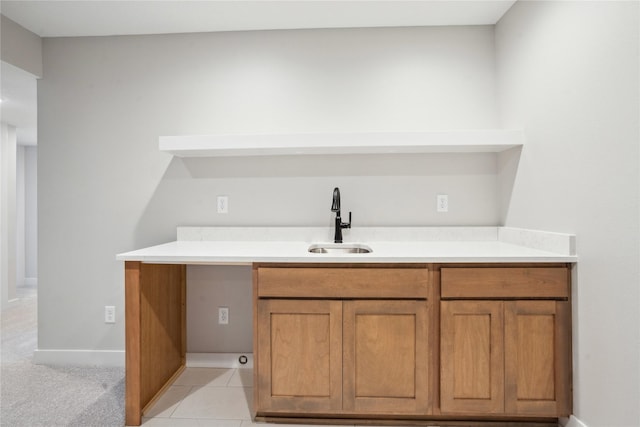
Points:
x=537 y=372
x=472 y=357
x=300 y=356
x=385 y=357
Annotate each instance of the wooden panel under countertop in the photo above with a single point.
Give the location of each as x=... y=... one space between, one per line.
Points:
x=155 y=332
x=132 y=399
x=505 y=282
x=338 y=282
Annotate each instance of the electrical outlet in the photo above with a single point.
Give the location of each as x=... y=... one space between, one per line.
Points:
x=109 y=314
x=223 y=204
x=223 y=315
x=442 y=203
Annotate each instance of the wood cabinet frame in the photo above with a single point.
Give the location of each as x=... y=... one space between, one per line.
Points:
x=155 y=320
x=155 y=335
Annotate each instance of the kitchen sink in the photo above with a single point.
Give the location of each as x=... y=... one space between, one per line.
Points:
x=339 y=248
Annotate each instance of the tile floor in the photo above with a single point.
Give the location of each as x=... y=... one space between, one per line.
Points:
x=207 y=397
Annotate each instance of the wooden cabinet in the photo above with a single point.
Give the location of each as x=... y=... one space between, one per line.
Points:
x=342 y=356
x=472 y=357
x=537 y=358
x=446 y=343
x=505 y=355
x=385 y=357
x=300 y=356
x=449 y=344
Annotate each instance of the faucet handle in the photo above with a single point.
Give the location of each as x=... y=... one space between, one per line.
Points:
x=346 y=224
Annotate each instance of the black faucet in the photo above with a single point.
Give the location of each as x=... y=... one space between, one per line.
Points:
x=335 y=207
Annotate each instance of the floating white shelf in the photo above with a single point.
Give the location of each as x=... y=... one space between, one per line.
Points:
x=459 y=141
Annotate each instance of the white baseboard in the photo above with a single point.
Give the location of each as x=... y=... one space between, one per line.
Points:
x=79 y=357
x=117 y=358
x=571 y=422
x=218 y=360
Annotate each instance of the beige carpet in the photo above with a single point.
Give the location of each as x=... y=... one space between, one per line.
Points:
x=39 y=395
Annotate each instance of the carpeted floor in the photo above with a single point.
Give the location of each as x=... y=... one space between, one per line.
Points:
x=39 y=395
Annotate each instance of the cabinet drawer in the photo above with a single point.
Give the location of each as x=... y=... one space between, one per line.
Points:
x=342 y=282
x=505 y=282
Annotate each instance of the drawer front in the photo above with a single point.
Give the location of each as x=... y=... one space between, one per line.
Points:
x=330 y=282
x=505 y=282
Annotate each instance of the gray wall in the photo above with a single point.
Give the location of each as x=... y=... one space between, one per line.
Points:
x=20 y=47
x=568 y=75
x=104 y=187
x=567 y=72
x=233 y=288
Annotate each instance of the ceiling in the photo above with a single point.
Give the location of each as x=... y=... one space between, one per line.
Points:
x=57 y=18
x=112 y=17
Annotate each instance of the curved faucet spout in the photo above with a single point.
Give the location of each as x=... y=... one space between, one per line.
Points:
x=335 y=206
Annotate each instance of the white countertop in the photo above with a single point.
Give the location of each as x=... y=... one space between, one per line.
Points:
x=466 y=246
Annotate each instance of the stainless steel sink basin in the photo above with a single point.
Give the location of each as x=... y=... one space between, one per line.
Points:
x=339 y=248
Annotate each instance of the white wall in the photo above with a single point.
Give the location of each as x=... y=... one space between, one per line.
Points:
x=8 y=212
x=20 y=215
x=26 y=215
x=31 y=214
x=105 y=188
x=21 y=53
x=568 y=73
x=209 y=288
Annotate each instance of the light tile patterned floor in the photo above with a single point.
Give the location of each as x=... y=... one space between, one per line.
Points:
x=207 y=397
